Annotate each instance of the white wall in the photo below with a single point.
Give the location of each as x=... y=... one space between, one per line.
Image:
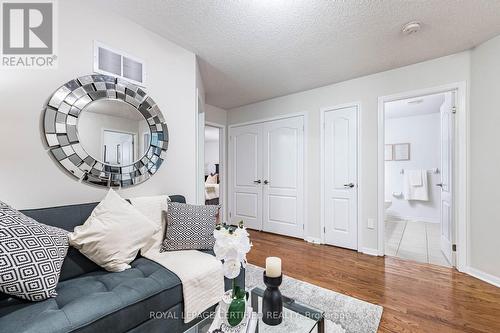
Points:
x=423 y=134
x=211 y=156
x=216 y=115
x=485 y=159
x=29 y=178
x=365 y=90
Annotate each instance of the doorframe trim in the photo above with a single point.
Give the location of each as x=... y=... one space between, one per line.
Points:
x=359 y=155
x=200 y=149
x=460 y=167
x=223 y=165
x=305 y=210
x=268 y=119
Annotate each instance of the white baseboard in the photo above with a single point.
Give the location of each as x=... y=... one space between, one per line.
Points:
x=313 y=240
x=486 y=277
x=369 y=251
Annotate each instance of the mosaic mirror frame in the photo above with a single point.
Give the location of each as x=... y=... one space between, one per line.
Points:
x=60 y=130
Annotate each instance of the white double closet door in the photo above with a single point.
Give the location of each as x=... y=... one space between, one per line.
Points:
x=267 y=176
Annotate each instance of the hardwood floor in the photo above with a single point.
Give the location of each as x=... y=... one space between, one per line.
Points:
x=416 y=297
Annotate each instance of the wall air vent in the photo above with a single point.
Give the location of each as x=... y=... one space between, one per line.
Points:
x=113 y=62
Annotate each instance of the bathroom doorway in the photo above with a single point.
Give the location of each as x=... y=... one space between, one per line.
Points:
x=418 y=178
x=214 y=166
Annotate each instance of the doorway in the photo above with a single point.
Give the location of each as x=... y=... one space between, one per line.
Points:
x=214 y=166
x=418 y=178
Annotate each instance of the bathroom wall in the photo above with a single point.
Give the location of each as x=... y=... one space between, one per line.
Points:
x=423 y=134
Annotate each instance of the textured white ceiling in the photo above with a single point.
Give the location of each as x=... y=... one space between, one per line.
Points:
x=255 y=50
x=427 y=104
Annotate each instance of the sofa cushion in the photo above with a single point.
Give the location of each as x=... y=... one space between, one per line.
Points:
x=113 y=234
x=31 y=255
x=189 y=227
x=97 y=301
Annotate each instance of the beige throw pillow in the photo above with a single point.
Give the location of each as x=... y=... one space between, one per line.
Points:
x=113 y=234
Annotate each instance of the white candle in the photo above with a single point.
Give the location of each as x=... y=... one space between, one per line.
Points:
x=273 y=267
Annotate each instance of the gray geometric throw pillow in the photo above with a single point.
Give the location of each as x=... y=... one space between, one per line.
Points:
x=189 y=227
x=31 y=255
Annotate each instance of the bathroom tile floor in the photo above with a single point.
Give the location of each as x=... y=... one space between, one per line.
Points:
x=418 y=241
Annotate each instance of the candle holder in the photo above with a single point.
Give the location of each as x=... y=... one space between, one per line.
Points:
x=272 y=302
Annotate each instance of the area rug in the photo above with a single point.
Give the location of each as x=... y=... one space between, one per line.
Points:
x=344 y=314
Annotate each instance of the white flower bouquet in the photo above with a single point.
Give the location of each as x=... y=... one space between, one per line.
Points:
x=232 y=243
x=231 y=246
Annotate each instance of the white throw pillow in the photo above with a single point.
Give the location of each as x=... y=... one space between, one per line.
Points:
x=153 y=208
x=113 y=234
x=211 y=179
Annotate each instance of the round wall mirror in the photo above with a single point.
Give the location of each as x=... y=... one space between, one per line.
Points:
x=113 y=132
x=105 y=131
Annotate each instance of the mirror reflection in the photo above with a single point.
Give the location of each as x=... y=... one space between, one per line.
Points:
x=113 y=132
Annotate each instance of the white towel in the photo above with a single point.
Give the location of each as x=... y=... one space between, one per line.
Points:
x=201 y=274
x=415 y=177
x=412 y=192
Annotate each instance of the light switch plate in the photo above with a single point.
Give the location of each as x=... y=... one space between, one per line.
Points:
x=371 y=223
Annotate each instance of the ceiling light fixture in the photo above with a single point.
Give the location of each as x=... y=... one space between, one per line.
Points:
x=411 y=27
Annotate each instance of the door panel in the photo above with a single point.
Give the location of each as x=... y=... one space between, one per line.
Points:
x=340 y=177
x=340 y=212
x=246 y=193
x=447 y=137
x=279 y=209
x=246 y=148
x=283 y=175
x=246 y=205
x=283 y=156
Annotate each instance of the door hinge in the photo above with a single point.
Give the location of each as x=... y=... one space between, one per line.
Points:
x=303 y=227
x=454 y=247
x=324 y=230
x=453 y=109
x=230 y=214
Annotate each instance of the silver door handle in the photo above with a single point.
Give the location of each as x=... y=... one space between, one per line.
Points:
x=440 y=185
x=266 y=182
x=350 y=185
x=257 y=181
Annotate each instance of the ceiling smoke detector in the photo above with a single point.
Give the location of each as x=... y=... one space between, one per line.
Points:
x=411 y=27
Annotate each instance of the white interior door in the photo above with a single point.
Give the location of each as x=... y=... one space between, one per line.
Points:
x=447 y=138
x=118 y=147
x=246 y=171
x=283 y=176
x=340 y=177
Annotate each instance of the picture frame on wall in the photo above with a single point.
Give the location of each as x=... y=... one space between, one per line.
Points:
x=388 y=152
x=401 y=152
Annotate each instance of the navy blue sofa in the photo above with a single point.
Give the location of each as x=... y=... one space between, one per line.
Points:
x=145 y=298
